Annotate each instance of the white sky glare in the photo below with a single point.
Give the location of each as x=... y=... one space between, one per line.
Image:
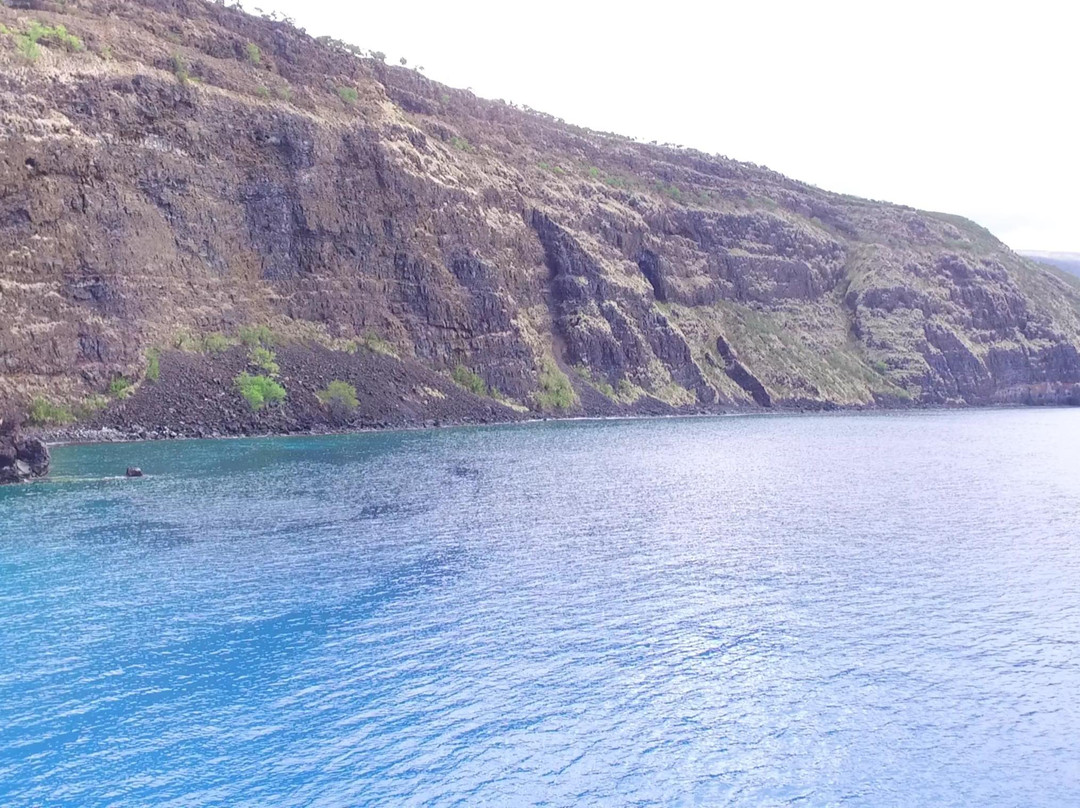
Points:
x=964 y=107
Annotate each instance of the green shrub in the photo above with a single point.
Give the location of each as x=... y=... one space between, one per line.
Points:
x=120 y=387
x=90 y=405
x=339 y=398
x=348 y=95
x=215 y=343
x=461 y=144
x=259 y=391
x=254 y=54
x=556 y=392
x=376 y=344
x=153 y=365
x=255 y=335
x=185 y=342
x=284 y=92
x=44 y=413
x=628 y=391
x=263 y=92
x=27 y=47
x=601 y=384
x=469 y=380
x=265 y=360
x=669 y=190
x=180 y=68
x=52 y=36
x=605 y=388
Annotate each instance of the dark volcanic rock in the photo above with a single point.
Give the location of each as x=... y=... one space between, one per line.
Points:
x=22 y=458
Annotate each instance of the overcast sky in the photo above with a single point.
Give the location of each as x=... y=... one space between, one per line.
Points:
x=969 y=108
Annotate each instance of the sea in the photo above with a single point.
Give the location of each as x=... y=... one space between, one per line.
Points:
x=806 y=610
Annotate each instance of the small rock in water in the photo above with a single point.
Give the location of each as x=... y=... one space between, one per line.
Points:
x=134 y=471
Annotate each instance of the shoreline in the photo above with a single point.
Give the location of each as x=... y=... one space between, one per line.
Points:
x=103 y=435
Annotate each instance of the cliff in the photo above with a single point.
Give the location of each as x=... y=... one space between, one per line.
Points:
x=186 y=189
x=1067 y=262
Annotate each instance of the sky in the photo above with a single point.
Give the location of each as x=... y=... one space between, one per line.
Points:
x=962 y=107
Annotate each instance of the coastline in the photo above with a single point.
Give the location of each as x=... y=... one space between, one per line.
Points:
x=80 y=436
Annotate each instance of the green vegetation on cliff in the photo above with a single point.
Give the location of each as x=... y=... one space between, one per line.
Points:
x=45 y=413
x=556 y=392
x=339 y=398
x=470 y=381
x=259 y=391
x=265 y=360
x=36 y=33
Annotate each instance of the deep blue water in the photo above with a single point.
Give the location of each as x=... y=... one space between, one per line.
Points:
x=819 y=610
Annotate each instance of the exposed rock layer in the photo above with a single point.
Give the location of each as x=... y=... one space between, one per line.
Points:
x=193 y=170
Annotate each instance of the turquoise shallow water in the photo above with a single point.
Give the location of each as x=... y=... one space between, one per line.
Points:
x=821 y=610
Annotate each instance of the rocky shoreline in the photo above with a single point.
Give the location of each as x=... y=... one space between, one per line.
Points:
x=27 y=457
x=80 y=435
x=194 y=397
x=70 y=436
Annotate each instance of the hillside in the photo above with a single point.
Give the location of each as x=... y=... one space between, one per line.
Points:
x=182 y=185
x=1067 y=262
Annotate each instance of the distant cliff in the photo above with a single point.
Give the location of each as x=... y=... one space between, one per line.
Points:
x=189 y=194
x=1069 y=262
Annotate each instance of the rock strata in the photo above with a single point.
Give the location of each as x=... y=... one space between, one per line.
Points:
x=189 y=194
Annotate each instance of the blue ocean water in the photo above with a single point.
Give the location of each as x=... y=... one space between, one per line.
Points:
x=868 y=610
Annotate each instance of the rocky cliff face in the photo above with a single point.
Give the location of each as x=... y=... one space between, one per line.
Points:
x=173 y=171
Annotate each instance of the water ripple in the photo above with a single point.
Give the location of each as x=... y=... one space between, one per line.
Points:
x=829 y=610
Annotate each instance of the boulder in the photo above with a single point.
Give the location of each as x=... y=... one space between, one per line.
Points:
x=22 y=458
x=35 y=453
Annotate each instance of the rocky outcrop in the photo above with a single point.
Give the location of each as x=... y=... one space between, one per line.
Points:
x=740 y=375
x=191 y=171
x=22 y=458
